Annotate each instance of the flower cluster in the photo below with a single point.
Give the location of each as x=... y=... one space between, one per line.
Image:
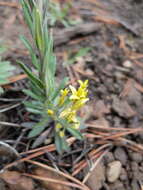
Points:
x=77 y=98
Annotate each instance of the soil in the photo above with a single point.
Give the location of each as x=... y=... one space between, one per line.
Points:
x=114 y=67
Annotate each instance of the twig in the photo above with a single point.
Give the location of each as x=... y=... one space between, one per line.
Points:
x=37 y=152
x=59 y=172
x=69 y=33
x=50 y=148
x=54 y=181
x=9 y=124
x=10 y=107
x=93 y=167
x=10 y=4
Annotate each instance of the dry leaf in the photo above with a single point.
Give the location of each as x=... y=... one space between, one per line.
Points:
x=49 y=174
x=16 y=181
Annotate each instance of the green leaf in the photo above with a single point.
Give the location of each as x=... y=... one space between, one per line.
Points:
x=6 y=66
x=37 y=20
x=58 y=143
x=34 y=107
x=61 y=144
x=61 y=86
x=27 y=14
x=33 y=95
x=75 y=133
x=38 y=128
x=1 y=90
x=82 y=52
x=31 y=76
x=31 y=51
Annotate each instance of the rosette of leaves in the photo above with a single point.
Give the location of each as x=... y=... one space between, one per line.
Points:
x=43 y=90
x=5 y=70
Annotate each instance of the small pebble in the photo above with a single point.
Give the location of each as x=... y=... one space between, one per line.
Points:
x=136 y=157
x=121 y=155
x=123 y=175
x=127 y=64
x=113 y=171
x=118 y=185
x=108 y=158
x=134 y=166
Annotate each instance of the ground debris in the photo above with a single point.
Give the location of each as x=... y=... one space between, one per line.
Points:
x=16 y=181
x=113 y=171
x=49 y=174
x=95 y=181
x=122 y=108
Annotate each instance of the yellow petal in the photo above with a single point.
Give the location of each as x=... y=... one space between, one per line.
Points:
x=73 y=90
x=58 y=127
x=50 y=112
x=61 y=134
x=74 y=97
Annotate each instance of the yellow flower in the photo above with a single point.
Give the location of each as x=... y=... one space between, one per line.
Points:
x=79 y=103
x=64 y=93
x=81 y=92
x=76 y=125
x=50 y=112
x=78 y=99
x=58 y=127
x=61 y=134
x=65 y=113
x=83 y=84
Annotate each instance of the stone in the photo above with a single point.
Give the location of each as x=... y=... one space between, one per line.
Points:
x=134 y=96
x=108 y=158
x=135 y=185
x=127 y=64
x=2 y=185
x=100 y=109
x=113 y=171
x=122 y=108
x=118 y=185
x=137 y=157
x=134 y=166
x=95 y=181
x=121 y=155
x=123 y=175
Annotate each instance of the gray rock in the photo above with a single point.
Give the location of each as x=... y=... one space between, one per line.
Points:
x=134 y=97
x=2 y=185
x=113 y=171
x=122 y=108
x=108 y=158
x=134 y=166
x=95 y=181
x=121 y=155
x=137 y=157
x=135 y=185
x=118 y=185
x=123 y=175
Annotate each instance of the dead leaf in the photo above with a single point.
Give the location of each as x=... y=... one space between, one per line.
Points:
x=50 y=174
x=16 y=181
